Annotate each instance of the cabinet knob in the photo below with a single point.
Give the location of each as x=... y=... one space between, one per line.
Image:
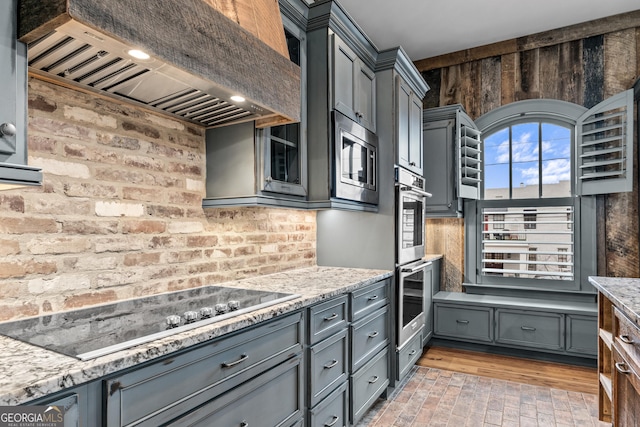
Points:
x=7 y=129
x=412 y=163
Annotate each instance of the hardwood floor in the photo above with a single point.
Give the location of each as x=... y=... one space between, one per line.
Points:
x=533 y=372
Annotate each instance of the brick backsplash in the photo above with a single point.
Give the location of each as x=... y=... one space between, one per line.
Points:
x=119 y=213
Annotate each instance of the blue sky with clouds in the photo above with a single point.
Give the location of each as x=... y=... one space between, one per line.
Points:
x=555 y=142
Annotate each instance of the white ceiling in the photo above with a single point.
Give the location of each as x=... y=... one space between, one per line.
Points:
x=427 y=28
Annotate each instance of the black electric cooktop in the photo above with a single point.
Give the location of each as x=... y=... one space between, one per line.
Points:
x=96 y=331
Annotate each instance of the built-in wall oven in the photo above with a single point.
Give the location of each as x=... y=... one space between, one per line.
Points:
x=410 y=208
x=410 y=216
x=355 y=161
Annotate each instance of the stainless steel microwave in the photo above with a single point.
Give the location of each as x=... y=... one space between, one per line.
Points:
x=355 y=161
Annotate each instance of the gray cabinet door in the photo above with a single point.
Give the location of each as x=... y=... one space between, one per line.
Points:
x=272 y=399
x=197 y=376
x=409 y=127
x=463 y=322
x=439 y=170
x=429 y=283
x=530 y=329
x=354 y=85
x=582 y=334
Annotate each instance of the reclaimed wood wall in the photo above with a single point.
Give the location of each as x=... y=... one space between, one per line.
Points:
x=583 y=64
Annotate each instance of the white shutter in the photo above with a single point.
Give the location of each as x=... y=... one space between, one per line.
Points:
x=604 y=149
x=469 y=147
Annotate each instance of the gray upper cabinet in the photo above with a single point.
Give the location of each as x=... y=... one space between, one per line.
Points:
x=452 y=159
x=354 y=85
x=341 y=82
x=13 y=108
x=268 y=166
x=409 y=108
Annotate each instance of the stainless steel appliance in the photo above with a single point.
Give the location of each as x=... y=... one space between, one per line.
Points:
x=410 y=249
x=410 y=216
x=96 y=331
x=355 y=161
x=411 y=297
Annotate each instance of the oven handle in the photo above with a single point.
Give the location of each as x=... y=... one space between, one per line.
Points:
x=415 y=190
x=416 y=268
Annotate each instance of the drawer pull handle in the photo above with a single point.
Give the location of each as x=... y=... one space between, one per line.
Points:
x=412 y=352
x=333 y=421
x=622 y=368
x=625 y=339
x=374 y=379
x=527 y=328
x=330 y=365
x=373 y=334
x=244 y=424
x=464 y=322
x=372 y=298
x=230 y=364
x=333 y=316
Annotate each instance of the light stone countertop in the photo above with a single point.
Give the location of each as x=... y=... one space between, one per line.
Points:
x=624 y=293
x=28 y=372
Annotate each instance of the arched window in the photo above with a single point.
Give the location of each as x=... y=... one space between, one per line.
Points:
x=533 y=224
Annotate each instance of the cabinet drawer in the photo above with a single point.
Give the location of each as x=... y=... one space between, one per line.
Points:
x=369 y=299
x=530 y=329
x=328 y=366
x=194 y=377
x=368 y=384
x=327 y=318
x=369 y=336
x=333 y=410
x=626 y=393
x=409 y=354
x=582 y=334
x=627 y=334
x=472 y=323
x=272 y=399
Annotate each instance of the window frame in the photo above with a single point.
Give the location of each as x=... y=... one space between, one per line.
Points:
x=584 y=217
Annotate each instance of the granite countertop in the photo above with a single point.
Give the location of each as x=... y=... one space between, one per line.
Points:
x=624 y=293
x=28 y=372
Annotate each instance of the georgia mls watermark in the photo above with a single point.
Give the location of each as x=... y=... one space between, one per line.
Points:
x=32 y=416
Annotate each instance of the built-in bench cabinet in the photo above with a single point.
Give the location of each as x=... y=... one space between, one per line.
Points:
x=323 y=365
x=561 y=327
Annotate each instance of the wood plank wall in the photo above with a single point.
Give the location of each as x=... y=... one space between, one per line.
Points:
x=583 y=64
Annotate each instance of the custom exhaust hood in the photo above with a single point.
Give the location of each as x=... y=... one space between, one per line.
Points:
x=198 y=58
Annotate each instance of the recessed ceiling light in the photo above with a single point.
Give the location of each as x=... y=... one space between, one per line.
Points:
x=237 y=98
x=138 y=54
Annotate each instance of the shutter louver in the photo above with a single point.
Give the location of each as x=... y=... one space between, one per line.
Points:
x=469 y=157
x=604 y=155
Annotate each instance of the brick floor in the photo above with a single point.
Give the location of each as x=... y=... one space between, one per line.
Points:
x=434 y=397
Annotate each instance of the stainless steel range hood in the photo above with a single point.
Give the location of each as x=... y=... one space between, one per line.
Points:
x=199 y=58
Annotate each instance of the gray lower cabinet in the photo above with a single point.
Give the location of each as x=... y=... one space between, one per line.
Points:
x=580 y=331
x=348 y=363
x=200 y=376
x=81 y=404
x=431 y=287
x=561 y=327
x=333 y=411
x=368 y=383
x=271 y=399
x=369 y=355
x=409 y=354
x=530 y=329
x=458 y=321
